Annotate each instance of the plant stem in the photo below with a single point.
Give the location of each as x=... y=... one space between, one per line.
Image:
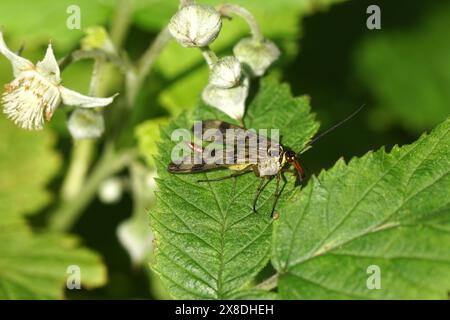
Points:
x=269 y=283
x=226 y=9
x=76 y=190
x=121 y=22
x=209 y=55
x=92 y=54
x=94 y=87
x=79 y=165
x=136 y=77
x=82 y=150
x=67 y=214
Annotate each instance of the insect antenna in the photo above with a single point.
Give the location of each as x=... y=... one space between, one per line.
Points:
x=337 y=125
x=321 y=135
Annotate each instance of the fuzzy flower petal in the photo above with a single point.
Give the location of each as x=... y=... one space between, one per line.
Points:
x=49 y=67
x=72 y=98
x=19 y=64
x=195 y=25
x=226 y=73
x=29 y=99
x=258 y=56
x=35 y=93
x=230 y=101
x=86 y=124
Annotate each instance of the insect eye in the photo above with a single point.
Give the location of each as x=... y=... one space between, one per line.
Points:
x=290 y=156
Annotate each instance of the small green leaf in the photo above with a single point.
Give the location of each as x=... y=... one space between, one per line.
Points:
x=209 y=242
x=390 y=210
x=35 y=266
x=27 y=163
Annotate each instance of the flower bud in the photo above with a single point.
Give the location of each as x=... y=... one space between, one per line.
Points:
x=136 y=238
x=97 y=38
x=86 y=124
x=226 y=73
x=195 y=25
x=230 y=101
x=257 y=56
x=110 y=190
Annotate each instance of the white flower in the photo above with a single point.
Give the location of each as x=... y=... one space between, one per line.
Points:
x=36 y=91
x=195 y=25
x=226 y=73
x=258 y=56
x=230 y=101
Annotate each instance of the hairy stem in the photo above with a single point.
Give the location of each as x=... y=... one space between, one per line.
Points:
x=226 y=9
x=210 y=56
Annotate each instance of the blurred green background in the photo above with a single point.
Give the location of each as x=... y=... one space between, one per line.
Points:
x=401 y=73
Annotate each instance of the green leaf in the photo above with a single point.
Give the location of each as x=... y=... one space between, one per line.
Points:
x=209 y=243
x=274 y=107
x=27 y=163
x=35 y=266
x=254 y=295
x=187 y=76
x=19 y=20
x=385 y=209
x=415 y=90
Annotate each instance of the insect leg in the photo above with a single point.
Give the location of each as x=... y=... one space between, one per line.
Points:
x=278 y=191
x=237 y=174
x=260 y=189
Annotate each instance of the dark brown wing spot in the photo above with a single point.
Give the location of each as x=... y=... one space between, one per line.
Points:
x=173 y=167
x=224 y=126
x=198 y=167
